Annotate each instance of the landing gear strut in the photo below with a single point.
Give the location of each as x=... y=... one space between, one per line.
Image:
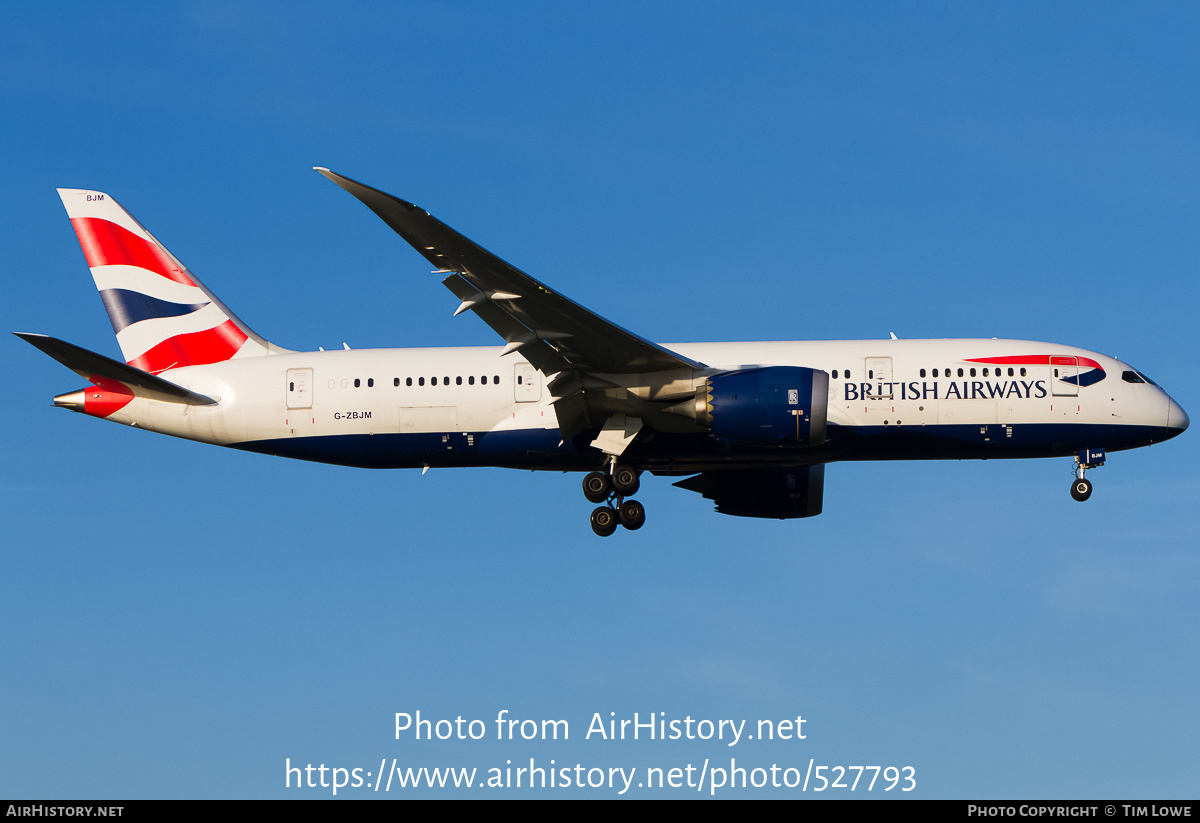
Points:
x=611 y=488
x=1081 y=489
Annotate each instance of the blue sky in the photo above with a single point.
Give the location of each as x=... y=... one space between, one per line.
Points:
x=182 y=619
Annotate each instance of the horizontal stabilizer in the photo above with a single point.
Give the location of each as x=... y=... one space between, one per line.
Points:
x=98 y=368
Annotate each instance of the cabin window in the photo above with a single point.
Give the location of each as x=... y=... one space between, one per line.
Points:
x=922 y=372
x=1022 y=371
x=960 y=374
x=420 y=381
x=370 y=382
x=496 y=379
x=357 y=383
x=458 y=381
x=471 y=380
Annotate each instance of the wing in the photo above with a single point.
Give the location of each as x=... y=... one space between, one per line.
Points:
x=556 y=335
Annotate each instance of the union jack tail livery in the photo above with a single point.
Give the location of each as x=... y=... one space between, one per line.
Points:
x=164 y=318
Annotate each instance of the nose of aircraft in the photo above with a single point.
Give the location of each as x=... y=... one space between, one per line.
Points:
x=1177 y=419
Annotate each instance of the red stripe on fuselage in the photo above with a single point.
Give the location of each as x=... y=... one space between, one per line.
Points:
x=1036 y=360
x=196 y=349
x=105 y=243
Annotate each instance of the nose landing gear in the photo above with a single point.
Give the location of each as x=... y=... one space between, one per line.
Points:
x=612 y=488
x=1081 y=489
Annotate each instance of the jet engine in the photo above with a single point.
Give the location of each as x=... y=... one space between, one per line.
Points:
x=765 y=406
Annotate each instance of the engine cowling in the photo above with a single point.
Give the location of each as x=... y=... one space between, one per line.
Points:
x=768 y=406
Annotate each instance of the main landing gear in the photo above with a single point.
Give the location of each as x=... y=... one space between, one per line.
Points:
x=611 y=488
x=1081 y=489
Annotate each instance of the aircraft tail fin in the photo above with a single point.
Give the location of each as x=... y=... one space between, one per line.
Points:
x=164 y=317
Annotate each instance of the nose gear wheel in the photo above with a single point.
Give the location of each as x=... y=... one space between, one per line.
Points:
x=1081 y=490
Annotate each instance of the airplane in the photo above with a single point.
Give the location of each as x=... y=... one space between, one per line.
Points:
x=748 y=425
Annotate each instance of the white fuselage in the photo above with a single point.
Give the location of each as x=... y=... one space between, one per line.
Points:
x=887 y=399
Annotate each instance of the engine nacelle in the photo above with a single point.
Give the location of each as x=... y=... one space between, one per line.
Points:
x=768 y=406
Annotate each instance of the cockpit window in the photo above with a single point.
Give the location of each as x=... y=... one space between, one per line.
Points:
x=1136 y=377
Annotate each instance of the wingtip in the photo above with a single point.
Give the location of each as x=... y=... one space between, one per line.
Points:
x=330 y=174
